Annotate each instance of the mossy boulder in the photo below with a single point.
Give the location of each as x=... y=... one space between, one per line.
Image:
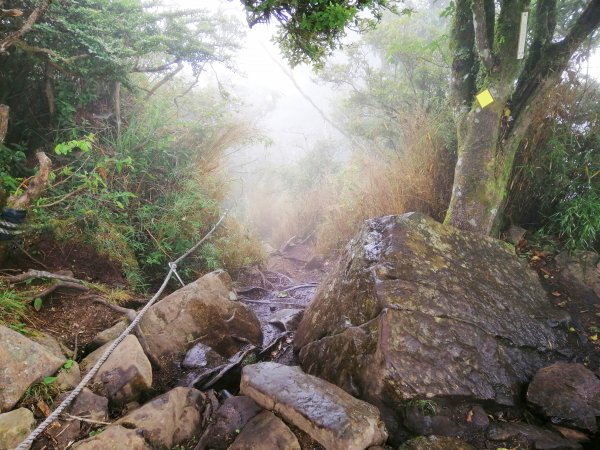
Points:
x=419 y=310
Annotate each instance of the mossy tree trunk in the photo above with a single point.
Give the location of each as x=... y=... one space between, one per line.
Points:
x=484 y=43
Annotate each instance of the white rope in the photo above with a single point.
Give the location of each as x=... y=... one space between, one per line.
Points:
x=75 y=392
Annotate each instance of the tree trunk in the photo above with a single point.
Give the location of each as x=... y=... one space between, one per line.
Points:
x=116 y=100
x=4 y=110
x=49 y=89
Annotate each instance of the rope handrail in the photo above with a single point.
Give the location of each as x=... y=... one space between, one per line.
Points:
x=83 y=383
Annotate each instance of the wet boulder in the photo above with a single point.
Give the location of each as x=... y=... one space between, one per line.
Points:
x=520 y=435
x=23 y=362
x=569 y=394
x=287 y=319
x=328 y=414
x=202 y=311
x=125 y=375
x=419 y=310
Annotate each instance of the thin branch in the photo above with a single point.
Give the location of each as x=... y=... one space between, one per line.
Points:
x=31 y=273
x=36 y=186
x=166 y=78
x=34 y=49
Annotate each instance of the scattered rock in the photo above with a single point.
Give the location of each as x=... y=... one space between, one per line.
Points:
x=266 y=432
x=202 y=312
x=90 y=406
x=14 y=427
x=515 y=235
x=61 y=433
x=416 y=309
x=125 y=374
x=68 y=379
x=436 y=443
x=230 y=418
x=328 y=414
x=527 y=436
x=23 y=362
x=287 y=319
x=580 y=274
x=201 y=356
x=317 y=262
x=567 y=393
x=169 y=419
x=114 y=437
x=571 y=434
x=110 y=334
x=424 y=424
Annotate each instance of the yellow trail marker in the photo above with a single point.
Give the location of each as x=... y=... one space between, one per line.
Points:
x=484 y=98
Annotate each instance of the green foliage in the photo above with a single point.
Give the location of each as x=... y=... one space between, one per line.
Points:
x=12 y=307
x=311 y=30
x=44 y=391
x=558 y=183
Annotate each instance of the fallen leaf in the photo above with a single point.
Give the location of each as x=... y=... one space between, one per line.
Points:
x=556 y=294
x=594 y=338
x=470 y=416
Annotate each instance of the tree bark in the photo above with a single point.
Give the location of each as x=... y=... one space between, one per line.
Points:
x=36 y=185
x=4 y=110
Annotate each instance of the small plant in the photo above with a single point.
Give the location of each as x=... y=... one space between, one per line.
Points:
x=425 y=407
x=44 y=391
x=12 y=308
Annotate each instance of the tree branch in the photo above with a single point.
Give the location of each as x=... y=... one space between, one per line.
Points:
x=36 y=185
x=35 y=15
x=464 y=62
x=482 y=41
x=585 y=25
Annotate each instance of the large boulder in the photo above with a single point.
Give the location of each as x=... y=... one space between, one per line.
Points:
x=125 y=375
x=202 y=311
x=579 y=274
x=168 y=420
x=23 y=362
x=15 y=426
x=567 y=393
x=417 y=310
x=328 y=414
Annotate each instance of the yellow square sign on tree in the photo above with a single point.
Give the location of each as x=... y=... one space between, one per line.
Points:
x=484 y=98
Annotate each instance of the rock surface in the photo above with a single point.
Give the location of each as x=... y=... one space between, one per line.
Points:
x=529 y=436
x=200 y=356
x=23 y=362
x=168 y=420
x=110 y=334
x=114 y=437
x=68 y=379
x=230 y=418
x=287 y=319
x=328 y=414
x=416 y=309
x=125 y=375
x=580 y=274
x=266 y=431
x=436 y=443
x=14 y=427
x=202 y=312
x=569 y=394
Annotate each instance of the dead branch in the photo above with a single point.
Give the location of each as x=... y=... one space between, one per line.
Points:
x=233 y=362
x=300 y=286
x=36 y=185
x=60 y=285
x=31 y=273
x=266 y=302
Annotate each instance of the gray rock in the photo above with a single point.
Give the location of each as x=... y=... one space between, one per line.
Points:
x=287 y=319
x=328 y=414
x=265 y=431
x=125 y=375
x=580 y=274
x=53 y=346
x=14 y=427
x=90 y=406
x=515 y=235
x=201 y=356
x=168 y=420
x=416 y=309
x=114 y=437
x=436 y=443
x=419 y=423
x=519 y=434
x=202 y=312
x=23 y=362
x=569 y=394
x=110 y=334
x=68 y=379
x=230 y=418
